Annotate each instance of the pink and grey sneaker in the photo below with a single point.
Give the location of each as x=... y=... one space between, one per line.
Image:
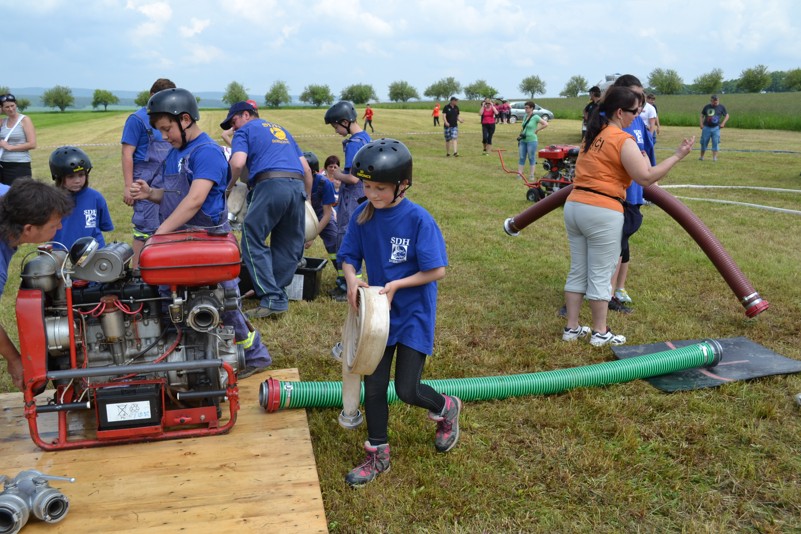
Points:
x=447 y=424
x=377 y=462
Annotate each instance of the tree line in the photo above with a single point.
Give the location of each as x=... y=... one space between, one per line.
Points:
x=660 y=81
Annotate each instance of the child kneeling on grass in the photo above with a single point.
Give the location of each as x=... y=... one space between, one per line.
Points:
x=403 y=251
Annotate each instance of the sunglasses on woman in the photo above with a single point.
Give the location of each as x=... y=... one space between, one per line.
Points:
x=7 y=98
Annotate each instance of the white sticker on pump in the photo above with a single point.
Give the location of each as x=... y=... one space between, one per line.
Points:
x=128 y=411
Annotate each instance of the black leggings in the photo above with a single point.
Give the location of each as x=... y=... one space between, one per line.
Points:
x=408 y=370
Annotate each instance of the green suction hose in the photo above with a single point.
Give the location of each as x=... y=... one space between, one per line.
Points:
x=275 y=395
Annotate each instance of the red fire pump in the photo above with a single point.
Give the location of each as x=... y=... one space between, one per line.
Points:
x=559 y=162
x=132 y=356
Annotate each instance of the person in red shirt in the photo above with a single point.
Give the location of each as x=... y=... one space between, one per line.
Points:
x=435 y=114
x=368 y=118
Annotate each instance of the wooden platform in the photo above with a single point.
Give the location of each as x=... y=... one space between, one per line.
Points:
x=260 y=477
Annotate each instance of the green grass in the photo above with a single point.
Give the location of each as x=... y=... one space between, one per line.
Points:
x=621 y=458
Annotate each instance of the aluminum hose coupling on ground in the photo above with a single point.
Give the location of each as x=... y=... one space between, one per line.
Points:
x=29 y=493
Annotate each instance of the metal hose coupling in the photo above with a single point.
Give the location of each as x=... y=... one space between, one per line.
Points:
x=510 y=228
x=29 y=493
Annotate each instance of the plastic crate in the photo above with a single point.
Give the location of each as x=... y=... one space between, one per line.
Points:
x=307 y=280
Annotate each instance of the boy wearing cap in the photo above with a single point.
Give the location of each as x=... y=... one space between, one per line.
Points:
x=280 y=180
x=713 y=117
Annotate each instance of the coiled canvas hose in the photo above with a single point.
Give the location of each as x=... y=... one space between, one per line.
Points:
x=753 y=303
x=275 y=395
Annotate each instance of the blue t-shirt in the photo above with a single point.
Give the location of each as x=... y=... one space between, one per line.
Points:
x=90 y=217
x=268 y=147
x=352 y=145
x=135 y=131
x=322 y=194
x=207 y=162
x=395 y=243
x=634 y=194
x=5 y=251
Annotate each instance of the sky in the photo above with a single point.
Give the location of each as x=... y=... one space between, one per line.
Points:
x=203 y=45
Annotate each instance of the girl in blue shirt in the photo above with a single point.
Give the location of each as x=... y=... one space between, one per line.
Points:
x=404 y=252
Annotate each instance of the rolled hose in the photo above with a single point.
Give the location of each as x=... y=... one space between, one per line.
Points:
x=276 y=395
x=753 y=303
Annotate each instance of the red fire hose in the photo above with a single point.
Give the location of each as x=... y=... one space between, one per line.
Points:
x=753 y=303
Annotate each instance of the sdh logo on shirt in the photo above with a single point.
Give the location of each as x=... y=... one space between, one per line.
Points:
x=278 y=133
x=400 y=249
x=90 y=216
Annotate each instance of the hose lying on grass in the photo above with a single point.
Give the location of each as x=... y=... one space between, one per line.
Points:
x=275 y=395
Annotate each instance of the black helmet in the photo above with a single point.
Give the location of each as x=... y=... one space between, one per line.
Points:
x=311 y=159
x=174 y=102
x=68 y=160
x=383 y=160
x=341 y=111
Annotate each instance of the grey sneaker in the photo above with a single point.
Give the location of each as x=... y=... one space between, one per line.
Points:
x=599 y=340
x=377 y=462
x=573 y=334
x=447 y=424
x=336 y=351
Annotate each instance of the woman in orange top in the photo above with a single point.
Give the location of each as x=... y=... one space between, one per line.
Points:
x=609 y=160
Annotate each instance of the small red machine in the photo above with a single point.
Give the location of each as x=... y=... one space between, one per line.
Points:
x=132 y=356
x=559 y=162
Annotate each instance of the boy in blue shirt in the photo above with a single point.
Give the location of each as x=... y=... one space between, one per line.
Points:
x=69 y=167
x=323 y=199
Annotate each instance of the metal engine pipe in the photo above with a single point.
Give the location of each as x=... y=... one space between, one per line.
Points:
x=753 y=303
x=275 y=395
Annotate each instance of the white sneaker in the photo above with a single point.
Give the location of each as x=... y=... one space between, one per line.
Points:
x=622 y=295
x=599 y=340
x=575 y=333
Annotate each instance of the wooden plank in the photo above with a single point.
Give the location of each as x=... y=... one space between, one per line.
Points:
x=260 y=476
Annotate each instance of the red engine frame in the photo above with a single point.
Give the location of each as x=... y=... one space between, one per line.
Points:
x=555 y=156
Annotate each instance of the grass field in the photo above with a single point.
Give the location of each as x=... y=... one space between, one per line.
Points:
x=622 y=458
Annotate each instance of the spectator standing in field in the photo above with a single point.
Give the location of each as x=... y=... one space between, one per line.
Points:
x=713 y=117
x=595 y=96
x=650 y=100
x=487 y=114
x=435 y=114
x=342 y=118
x=368 y=118
x=70 y=167
x=30 y=212
x=527 y=141
x=17 y=139
x=452 y=120
x=143 y=152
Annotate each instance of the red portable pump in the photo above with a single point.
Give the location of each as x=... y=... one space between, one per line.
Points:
x=132 y=356
x=559 y=162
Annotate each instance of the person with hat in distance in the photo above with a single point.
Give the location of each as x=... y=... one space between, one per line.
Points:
x=30 y=212
x=70 y=167
x=280 y=181
x=713 y=117
x=404 y=253
x=191 y=193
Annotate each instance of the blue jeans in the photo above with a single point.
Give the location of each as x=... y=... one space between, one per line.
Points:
x=527 y=148
x=275 y=210
x=710 y=133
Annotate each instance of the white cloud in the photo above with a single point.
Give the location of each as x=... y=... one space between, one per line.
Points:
x=204 y=54
x=157 y=13
x=196 y=27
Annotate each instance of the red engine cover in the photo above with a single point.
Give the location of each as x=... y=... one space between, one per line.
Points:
x=555 y=151
x=189 y=259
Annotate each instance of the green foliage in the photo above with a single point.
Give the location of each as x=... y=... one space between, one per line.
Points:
x=711 y=82
x=479 y=89
x=23 y=104
x=792 y=80
x=443 y=89
x=665 y=81
x=532 y=85
x=4 y=90
x=402 y=91
x=754 y=80
x=102 y=97
x=58 y=97
x=574 y=86
x=359 y=93
x=277 y=95
x=317 y=95
x=142 y=98
x=234 y=92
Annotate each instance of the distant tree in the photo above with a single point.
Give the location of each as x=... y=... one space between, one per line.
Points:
x=479 y=89
x=792 y=80
x=317 y=95
x=443 y=89
x=754 y=80
x=401 y=91
x=4 y=90
x=574 y=86
x=776 y=82
x=23 y=104
x=666 y=81
x=277 y=95
x=103 y=98
x=359 y=93
x=235 y=92
x=58 y=97
x=142 y=98
x=711 y=82
x=532 y=85
x=729 y=87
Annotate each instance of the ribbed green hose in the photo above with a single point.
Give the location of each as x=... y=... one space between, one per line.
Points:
x=276 y=395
